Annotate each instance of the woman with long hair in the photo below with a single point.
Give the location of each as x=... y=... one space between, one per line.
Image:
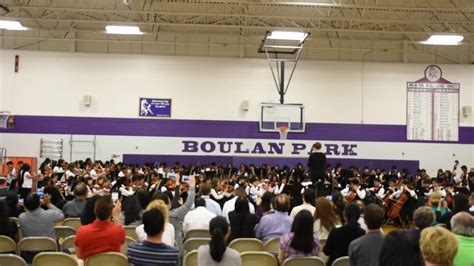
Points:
x=217 y=252
x=325 y=218
x=242 y=222
x=300 y=242
x=400 y=248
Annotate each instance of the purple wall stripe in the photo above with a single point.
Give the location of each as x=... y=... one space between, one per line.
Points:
x=412 y=166
x=211 y=129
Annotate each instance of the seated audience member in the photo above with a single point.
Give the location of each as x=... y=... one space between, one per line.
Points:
x=275 y=224
x=308 y=200
x=198 y=218
x=361 y=220
x=400 y=249
x=242 y=222
x=264 y=204
x=423 y=218
x=230 y=204
x=37 y=221
x=176 y=215
x=131 y=211
x=325 y=219
x=434 y=201
x=13 y=208
x=105 y=234
x=217 y=252
x=168 y=234
x=339 y=239
x=460 y=204
x=300 y=242
x=438 y=246
x=365 y=250
x=88 y=213
x=7 y=226
x=51 y=189
x=153 y=251
x=471 y=203
x=74 y=208
x=462 y=225
x=211 y=204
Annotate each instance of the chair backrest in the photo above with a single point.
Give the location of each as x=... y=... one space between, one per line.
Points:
x=7 y=245
x=195 y=243
x=108 y=258
x=64 y=231
x=12 y=260
x=304 y=261
x=322 y=243
x=72 y=222
x=124 y=248
x=342 y=261
x=260 y=258
x=191 y=258
x=37 y=244
x=54 y=259
x=131 y=231
x=197 y=233
x=68 y=243
x=272 y=245
x=246 y=244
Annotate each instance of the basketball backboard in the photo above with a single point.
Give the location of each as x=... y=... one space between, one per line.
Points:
x=276 y=115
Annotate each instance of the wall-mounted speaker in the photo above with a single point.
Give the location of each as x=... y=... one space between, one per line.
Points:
x=466 y=111
x=245 y=105
x=87 y=100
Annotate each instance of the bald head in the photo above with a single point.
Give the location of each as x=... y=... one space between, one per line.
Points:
x=463 y=224
x=282 y=203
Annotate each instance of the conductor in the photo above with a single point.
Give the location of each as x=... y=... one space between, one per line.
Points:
x=317 y=167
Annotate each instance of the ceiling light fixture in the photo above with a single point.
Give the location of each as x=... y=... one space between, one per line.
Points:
x=130 y=30
x=444 y=39
x=11 y=25
x=288 y=35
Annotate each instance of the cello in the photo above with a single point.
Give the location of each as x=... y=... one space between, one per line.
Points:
x=394 y=212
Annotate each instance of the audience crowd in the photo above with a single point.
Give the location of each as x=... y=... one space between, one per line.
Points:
x=344 y=216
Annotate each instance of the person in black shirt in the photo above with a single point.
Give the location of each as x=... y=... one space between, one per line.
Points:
x=7 y=226
x=242 y=222
x=317 y=167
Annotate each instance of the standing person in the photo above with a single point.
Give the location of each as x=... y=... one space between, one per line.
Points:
x=217 y=252
x=366 y=249
x=12 y=176
x=28 y=181
x=317 y=167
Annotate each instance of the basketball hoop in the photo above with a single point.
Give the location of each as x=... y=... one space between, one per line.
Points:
x=283 y=130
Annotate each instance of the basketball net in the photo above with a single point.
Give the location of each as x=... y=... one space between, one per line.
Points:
x=283 y=130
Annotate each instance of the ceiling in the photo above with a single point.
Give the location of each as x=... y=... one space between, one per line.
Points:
x=353 y=30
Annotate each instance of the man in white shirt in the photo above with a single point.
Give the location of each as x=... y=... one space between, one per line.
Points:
x=230 y=204
x=198 y=218
x=211 y=204
x=308 y=198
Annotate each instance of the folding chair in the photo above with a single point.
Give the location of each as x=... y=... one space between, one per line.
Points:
x=246 y=244
x=63 y=232
x=260 y=258
x=12 y=260
x=28 y=247
x=194 y=233
x=124 y=248
x=342 y=261
x=54 y=259
x=7 y=245
x=195 y=243
x=108 y=258
x=68 y=244
x=16 y=220
x=304 y=261
x=72 y=222
x=272 y=245
x=191 y=259
x=131 y=231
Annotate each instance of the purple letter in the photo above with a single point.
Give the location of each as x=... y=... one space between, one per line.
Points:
x=258 y=148
x=211 y=148
x=190 y=146
x=349 y=149
x=222 y=146
x=276 y=148
x=297 y=147
x=332 y=149
x=238 y=148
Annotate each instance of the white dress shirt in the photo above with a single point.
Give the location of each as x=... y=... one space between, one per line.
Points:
x=212 y=205
x=198 y=218
x=304 y=206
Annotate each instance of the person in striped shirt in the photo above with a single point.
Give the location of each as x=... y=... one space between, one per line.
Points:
x=152 y=251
